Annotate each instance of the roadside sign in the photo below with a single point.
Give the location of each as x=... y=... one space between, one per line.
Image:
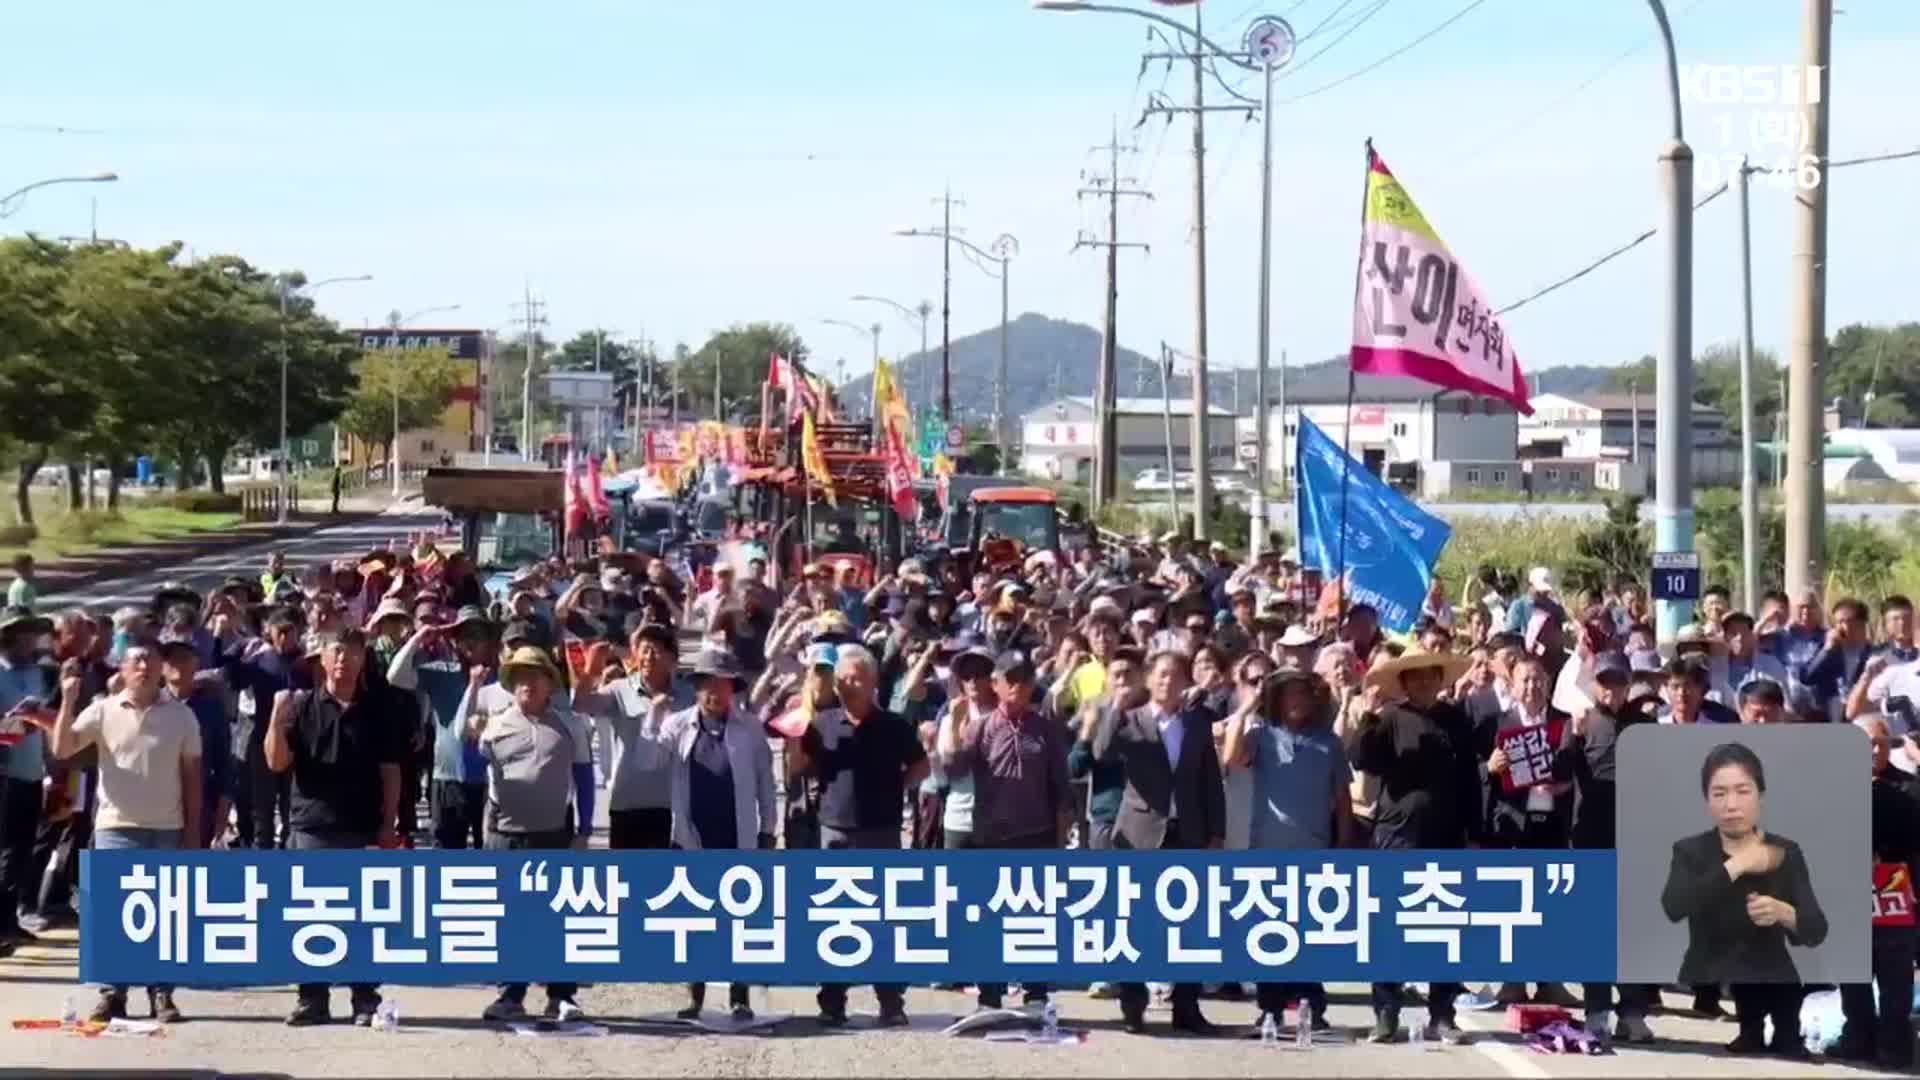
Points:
x=956 y=438
x=1676 y=575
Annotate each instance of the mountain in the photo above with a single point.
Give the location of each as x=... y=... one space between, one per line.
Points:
x=1048 y=359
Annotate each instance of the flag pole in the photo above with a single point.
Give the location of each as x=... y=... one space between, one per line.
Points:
x=1346 y=434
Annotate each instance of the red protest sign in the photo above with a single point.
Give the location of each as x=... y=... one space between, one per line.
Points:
x=1892 y=895
x=1529 y=754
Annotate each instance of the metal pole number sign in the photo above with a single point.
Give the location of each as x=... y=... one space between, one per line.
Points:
x=1676 y=575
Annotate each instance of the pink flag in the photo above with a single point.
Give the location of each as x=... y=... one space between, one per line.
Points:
x=576 y=509
x=1416 y=311
x=596 y=494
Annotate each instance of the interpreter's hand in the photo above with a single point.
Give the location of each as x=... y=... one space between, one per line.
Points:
x=1758 y=857
x=1766 y=911
x=1497 y=763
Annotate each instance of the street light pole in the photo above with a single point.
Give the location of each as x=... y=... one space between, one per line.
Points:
x=1271 y=42
x=393 y=454
x=11 y=196
x=1673 y=373
x=286 y=445
x=1003 y=250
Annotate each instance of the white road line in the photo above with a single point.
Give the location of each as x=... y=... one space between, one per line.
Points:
x=1520 y=1064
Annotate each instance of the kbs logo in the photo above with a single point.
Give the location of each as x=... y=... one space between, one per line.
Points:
x=1778 y=85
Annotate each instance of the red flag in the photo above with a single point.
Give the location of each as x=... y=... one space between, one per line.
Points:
x=900 y=478
x=576 y=508
x=596 y=493
x=777 y=373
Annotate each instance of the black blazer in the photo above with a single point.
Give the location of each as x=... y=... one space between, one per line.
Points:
x=1723 y=945
x=1507 y=815
x=1154 y=789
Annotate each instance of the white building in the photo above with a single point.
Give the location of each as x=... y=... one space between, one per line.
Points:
x=1056 y=440
x=1895 y=450
x=1402 y=429
x=1601 y=427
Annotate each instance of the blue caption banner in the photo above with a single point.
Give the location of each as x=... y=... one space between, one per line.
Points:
x=808 y=917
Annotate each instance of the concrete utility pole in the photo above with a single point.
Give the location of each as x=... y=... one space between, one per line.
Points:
x=530 y=310
x=1749 y=483
x=1807 y=317
x=1673 y=372
x=1200 y=56
x=1106 y=445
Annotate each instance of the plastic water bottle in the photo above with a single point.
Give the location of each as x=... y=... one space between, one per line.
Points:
x=1269 y=1031
x=1050 y=1021
x=1417 y=1030
x=1303 y=1031
x=386 y=1018
x=69 y=1015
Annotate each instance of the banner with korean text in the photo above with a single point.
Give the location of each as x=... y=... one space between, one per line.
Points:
x=807 y=917
x=1416 y=310
x=1389 y=544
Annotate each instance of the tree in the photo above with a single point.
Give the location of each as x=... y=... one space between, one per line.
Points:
x=42 y=399
x=740 y=354
x=1615 y=548
x=1881 y=361
x=507 y=382
x=415 y=381
x=1716 y=382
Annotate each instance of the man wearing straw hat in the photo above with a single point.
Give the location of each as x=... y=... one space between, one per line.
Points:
x=1424 y=753
x=722 y=782
x=538 y=753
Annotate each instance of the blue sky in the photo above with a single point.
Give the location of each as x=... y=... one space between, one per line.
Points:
x=669 y=168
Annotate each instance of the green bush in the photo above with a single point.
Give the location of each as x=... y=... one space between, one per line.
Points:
x=204 y=502
x=80 y=526
x=12 y=536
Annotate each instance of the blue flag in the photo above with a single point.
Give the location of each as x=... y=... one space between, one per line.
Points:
x=1391 y=544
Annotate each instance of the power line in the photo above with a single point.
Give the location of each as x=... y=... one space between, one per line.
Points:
x=1360 y=20
x=1509 y=130
x=1394 y=55
x=1605 y=259
x=1898 y=155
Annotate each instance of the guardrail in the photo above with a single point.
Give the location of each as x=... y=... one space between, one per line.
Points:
x=262 y=503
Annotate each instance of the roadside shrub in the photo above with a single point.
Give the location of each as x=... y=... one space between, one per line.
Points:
x=12 y=536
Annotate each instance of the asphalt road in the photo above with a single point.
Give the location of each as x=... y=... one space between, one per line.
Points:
x=442 y=1035
x=323 y=544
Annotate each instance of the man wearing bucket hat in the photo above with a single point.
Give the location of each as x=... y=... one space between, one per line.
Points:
x=1424 y=753
x=435 y=662
x=539 y=757
x=722 y=782
x=635 y=705
x=1300 y=793
x=22 y=681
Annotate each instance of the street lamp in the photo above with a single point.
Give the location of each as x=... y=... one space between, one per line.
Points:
x=96 y=178
x=396 y=323
x=918 y=316
x=286 y=448
x=873 y=404
x=1004 y=249
x=1265 y=48
x=1673 y=372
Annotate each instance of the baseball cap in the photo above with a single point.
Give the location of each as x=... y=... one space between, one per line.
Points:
x=1612 y=665
x=1540 y=578
x=1014 y=666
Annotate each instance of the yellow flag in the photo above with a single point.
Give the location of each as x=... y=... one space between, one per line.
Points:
x=813 y=460
x=891 y=406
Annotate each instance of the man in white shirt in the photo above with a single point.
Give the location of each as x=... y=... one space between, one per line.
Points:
x=149 y=786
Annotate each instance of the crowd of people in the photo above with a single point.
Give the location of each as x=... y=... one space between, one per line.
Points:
x=1154 y=696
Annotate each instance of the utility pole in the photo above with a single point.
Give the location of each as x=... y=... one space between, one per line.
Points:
x=1166 y=417
x=531 y=310
x=1807 y=315
x=1749 y=483
x=947 y=203
x=1202 y=483
x=719 y=358
x=1673 y=371
x=1106 y=443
